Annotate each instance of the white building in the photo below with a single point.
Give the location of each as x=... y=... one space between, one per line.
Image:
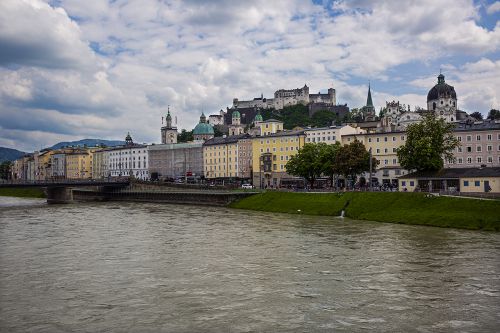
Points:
x=330 y=135
x=130 y=160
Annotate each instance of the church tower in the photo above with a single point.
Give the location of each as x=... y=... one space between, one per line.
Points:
x=168 y=132
x=369 y=109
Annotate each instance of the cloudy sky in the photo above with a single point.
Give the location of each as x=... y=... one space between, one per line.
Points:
x=72 y=69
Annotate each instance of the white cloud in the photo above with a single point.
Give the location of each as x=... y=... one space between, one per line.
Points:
x=493 y=8
x=198 y=55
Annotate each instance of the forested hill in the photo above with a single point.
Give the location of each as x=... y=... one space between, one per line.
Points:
x=298 y=115
x=9 y=154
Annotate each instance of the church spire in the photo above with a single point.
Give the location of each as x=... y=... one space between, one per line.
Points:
x=369 y=101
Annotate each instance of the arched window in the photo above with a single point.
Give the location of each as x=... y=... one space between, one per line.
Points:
x=434 y=106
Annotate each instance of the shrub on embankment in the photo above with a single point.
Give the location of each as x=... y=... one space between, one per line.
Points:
x=407 y=208
x=22 y=192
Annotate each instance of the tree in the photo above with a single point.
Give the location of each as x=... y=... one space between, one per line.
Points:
x=306 y=163
x=427 y=143
x=5 y=168
x=185 y=136
x=353 y=159
x=494 y=114
x=327 y=157
x=323 y=118
x=476 y=115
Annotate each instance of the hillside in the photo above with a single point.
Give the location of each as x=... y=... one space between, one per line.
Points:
x=9 y=154
x=298 y=115
x=88 y=143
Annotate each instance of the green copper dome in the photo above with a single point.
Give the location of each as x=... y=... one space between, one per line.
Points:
x=236 y=114
x=202 y=127
x=258 y=117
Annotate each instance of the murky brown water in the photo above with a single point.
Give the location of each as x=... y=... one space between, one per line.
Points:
x=133 y=267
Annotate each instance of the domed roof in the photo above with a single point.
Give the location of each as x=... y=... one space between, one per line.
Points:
x=258 y=117
x=236 y=114
x=203 y=128
x=441 y=89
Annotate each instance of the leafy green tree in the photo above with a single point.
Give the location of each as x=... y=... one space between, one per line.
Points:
x=327 y=158
x=353 y=159
x=494 y=114
x=218 y=131
x=427 y=143
x=295 y=115
x=306 y=163
x=5 y=168
x=185 y=136
x=477 y=115
x=323 y=118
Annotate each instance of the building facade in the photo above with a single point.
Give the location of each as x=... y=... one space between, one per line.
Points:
x=171 y=161
x=479 y=145
x=130 y=160
x=228 y=157
x=270 y=153
x=330 y=135
x=168 y=132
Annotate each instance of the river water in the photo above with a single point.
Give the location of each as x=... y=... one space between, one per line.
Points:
x=134 y=267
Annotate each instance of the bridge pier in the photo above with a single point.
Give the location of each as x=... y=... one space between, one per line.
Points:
x=58 y=195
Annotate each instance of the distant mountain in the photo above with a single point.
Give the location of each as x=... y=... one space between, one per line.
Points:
x=9 y=154
x=88 y=143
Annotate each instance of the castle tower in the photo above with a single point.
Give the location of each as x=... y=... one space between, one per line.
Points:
x=168 y=132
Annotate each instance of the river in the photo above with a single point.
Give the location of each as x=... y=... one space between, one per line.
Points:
x=139 y=267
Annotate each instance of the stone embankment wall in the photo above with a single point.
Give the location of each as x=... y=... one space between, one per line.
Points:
x=210 y=198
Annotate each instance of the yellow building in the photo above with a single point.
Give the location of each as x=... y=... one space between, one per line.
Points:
x=228 y=157
x=79 y=164
x=42 y=164
x=384 y=147
x=270 y=153
x=450 y=180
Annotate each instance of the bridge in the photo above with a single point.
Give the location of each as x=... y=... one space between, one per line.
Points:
x=60 y=191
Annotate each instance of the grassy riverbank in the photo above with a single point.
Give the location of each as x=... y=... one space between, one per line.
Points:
x=406 y=208
x=22 y=192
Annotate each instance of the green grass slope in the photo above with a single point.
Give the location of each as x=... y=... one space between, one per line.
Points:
x=407 y=208
x=22 y=192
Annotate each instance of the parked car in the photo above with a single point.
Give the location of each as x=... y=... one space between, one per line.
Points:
x=247 y=186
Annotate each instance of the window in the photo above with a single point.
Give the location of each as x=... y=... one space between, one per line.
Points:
x=489 y=148
x=479 y=159
x=378 y=139
x=393 y=138
x=402 y=138
x=489 y=137
x=478 y=149
x=385 y=138
x=466 y=183
x=490 y=159
x=477 y=183
x=469 y=137
x=369 y=139
x=393 y=150
x=460 y=160
x=469 y=149
x=459 y=138
x=469 y=160
x=378 y=150
x=478 y=137
x=412 y=183
x=459 y=149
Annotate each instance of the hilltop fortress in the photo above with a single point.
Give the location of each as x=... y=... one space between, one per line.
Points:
x=288 y=97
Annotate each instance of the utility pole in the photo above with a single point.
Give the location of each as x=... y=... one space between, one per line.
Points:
x=370 y=180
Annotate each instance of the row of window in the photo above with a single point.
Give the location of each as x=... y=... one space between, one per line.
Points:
x=479 y=149
x=479 y=159
x=489 y=137
x=387 y=139
x=268 y=150
x=325 y=138
x=127 y=152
